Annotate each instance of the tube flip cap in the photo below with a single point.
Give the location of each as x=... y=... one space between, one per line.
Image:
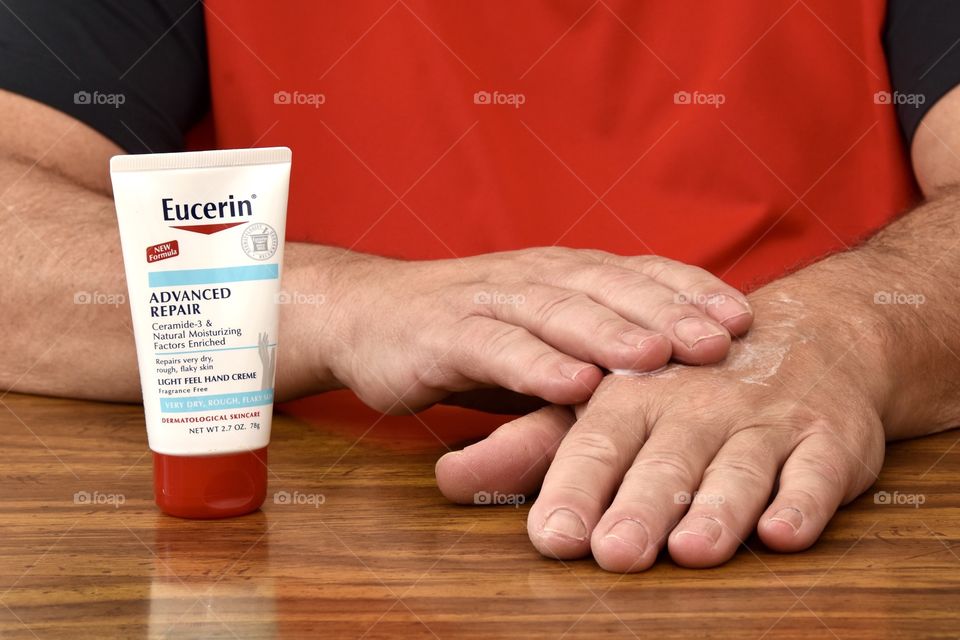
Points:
x=203 y=487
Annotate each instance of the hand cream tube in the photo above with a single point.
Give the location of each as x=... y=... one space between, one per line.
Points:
x=202 y=236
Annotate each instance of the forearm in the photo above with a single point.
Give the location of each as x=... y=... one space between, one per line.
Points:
x=918 y=264
x=63 y=306
x=891 y=305
x=62 y=243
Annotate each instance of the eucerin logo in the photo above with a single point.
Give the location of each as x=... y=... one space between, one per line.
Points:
x=206 y=211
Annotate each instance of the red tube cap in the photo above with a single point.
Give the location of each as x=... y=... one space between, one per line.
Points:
x=210 y=486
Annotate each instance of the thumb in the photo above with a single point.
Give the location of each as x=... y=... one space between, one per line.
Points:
x=513 y=459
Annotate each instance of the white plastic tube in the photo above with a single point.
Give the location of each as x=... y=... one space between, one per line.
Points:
x=202 y=235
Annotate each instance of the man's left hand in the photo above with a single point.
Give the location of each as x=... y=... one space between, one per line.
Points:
x=688 y=457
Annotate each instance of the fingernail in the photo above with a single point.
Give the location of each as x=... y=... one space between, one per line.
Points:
x=638 y=338
x=705 y=527
x=563 y=522
x=629 y=532
x=692 y=331
x=572 y=369
x=726 y=308
x=791 y=516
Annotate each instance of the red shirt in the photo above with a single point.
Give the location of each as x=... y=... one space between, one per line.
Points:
x=774 y=152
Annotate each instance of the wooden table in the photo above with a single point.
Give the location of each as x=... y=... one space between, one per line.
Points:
x=366 y=547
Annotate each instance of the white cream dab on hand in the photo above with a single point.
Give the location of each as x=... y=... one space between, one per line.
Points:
x=665 y=371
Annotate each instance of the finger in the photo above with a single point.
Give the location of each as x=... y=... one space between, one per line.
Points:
x=587 y=468
x=696 y=338
x=492 y=352
x=818 y=477
x=575 y=324
x=646 y=508
x=733 y=493
x=699 y=287
x=511 y=460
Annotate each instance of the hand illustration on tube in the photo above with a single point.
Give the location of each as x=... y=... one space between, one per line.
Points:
x=268 y=357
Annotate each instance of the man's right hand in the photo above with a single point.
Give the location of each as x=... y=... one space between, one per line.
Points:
x=402 y=335
x=541 y=322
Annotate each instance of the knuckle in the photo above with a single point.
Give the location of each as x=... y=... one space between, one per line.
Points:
x=590 y=256
x=524 y=373
x=593 y=446
x=804 y=496
x=448 y=345
x=545 y=260
x=832 y=469
x=671 y=466
x=699 y=277
x=436 y=374
x=554 y=306
x=828 y=468
x=706 y=293
x=667 y=312
x=753 y=473
x=568 y=489
x=611 y=326
x=500 y=340
x=556 y=253
x=656 y=266
x=603 y=257
x=621 y=283
x=544 y=360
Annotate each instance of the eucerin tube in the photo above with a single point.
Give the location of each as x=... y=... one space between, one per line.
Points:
x=202 y=235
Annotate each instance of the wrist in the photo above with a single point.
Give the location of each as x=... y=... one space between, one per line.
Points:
x=318 y=314
x=828 y=314
x=914 y=311
x=352 y=283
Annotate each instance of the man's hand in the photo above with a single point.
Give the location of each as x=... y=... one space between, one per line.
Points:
x=539 y=322
x=688 y=457
x=401 y=334
x=857 y=348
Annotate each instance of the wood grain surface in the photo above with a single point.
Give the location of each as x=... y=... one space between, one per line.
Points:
x=366 y=547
